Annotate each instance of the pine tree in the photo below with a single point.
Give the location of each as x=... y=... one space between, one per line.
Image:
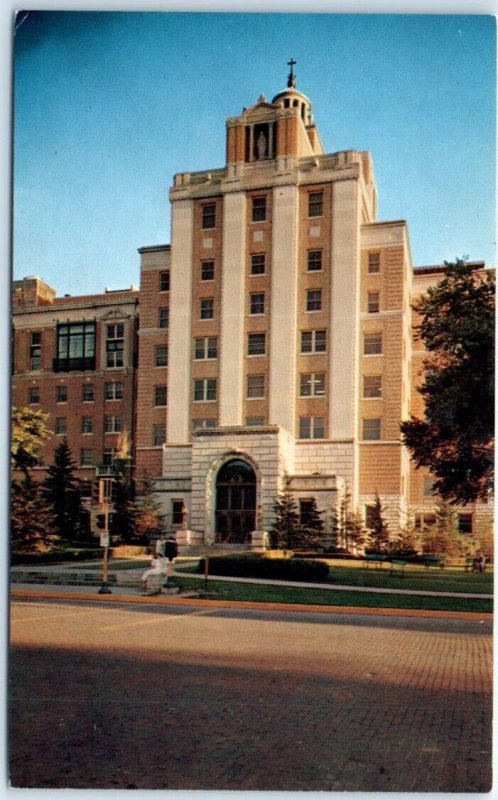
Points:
x=122 y=525
x=311 y=524
x=31 y=527
x=378 y=528
x=440 y=538
x=285 y=532
x=61 y=492
x=148 y=520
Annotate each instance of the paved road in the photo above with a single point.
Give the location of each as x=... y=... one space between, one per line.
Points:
x=133 y=696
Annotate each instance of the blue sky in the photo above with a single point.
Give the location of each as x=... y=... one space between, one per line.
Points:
x=108 y=106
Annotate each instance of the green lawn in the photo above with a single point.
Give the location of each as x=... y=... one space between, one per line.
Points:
x=432 y=579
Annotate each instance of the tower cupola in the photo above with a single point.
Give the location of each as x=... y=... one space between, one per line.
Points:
x=291 y=98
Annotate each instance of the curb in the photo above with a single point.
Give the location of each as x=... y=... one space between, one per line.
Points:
x=255 y=606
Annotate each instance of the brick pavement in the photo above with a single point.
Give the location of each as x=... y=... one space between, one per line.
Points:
x=184 y=698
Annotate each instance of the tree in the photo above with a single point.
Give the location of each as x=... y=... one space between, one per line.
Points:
x=30 y=517
x=286 y=528
x=378 y=528
x=311 y=526
x=123 y=495
x=148 y=520
x=455 y=438
x=29 y=431
x=61 y=491
x=350 y=525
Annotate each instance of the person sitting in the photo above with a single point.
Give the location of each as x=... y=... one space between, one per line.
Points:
x=158 y=566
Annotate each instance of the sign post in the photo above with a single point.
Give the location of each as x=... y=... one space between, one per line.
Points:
x=104 y=543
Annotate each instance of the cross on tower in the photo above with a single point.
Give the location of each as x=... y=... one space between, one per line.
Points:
x=291 y=81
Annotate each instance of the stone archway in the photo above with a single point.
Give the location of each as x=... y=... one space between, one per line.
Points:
x=235 y=509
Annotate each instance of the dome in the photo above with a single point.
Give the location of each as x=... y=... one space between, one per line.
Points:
x=291 y=98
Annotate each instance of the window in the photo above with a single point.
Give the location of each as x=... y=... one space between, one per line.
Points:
x=86 y=457
x=61 y=394
x=370 y=517
x=113 y=391
x=314 y=260
x=108 y=456
x=256 y=344
x=35 y=350
x=86 y=425
x=372 y=344
x=423 y=521
x=314 y=300
x=371 y=429
x=75 y=347
x=373 y=302
x=255 y=386
x=208 y=216
x=115 y=345
x=160 y=395
x=163 y=318
x=207 y=270
x=33 y=395
x=161 y=355
x=205 y=389
x=60 y=426
x=312 y=384
x=464 y=523
x=198 y=424
x=164 y=281
x=207 y=308
x=311 y=428
x=87 y=392
x=159 y=435
x=113 y=424
x=177 y=510
x=252 y=422
x=373 y=263
x=428 y=486
x=258 y=209
x=306 y=511
x=206 y=348
x=85 y=488
x=315 y=204
x=372 y=386
x=258 y=264
x=313 y=341
x=257 y=303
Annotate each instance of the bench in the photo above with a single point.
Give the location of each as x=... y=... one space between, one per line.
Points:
x=433 y=561
x=377 y=560
x=397 y=566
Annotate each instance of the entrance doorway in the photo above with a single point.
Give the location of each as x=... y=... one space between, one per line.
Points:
x=235 y=502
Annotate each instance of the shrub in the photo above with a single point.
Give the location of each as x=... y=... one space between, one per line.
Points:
x=285 y=569
x=56 y=556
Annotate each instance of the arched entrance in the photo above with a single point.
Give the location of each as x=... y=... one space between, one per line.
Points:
x=235 y=502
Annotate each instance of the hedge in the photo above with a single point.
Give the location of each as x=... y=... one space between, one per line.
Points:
x=56 y=556
x=285 y=569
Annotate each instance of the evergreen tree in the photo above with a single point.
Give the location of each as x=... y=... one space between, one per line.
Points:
x=333 y=538
x=285 y=532
x=31 y=527
x=123 y=514
x=311 y=525
x=378 y=528
x=61 y=492
x=148 y=520
x=455 y=437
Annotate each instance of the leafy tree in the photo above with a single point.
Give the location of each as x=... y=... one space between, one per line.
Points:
x=61 y=491
x=28 y=433
x=123 y=495
x=455 y=438
x=285 y=532
x=148 y=520
x=378 y=527
x=31 y=527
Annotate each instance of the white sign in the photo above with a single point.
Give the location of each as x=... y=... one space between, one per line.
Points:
x=104 y=540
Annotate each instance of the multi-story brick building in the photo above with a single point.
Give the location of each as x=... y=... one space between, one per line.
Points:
x=75 y=359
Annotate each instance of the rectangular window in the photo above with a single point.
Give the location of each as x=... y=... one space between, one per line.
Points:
x=372 y=344
x=177 y=510
x=113 y=391
x=306 y=508
x=428 y=486
x=164 y=281
x=257 y=303
x=113 y=424
x=75 y=347
x=370 y=517
x=33 y=395
x=205 y=389
x=108 y=456
x=61 y=394
x=207 y=270
x=198 y=424
x=86 y=457
x=315 y=204
x=207 y=308
x=258 y=264
x=114 y=345
x=86 y=425
x=313 y=341
x=465 y=523
x=256 y=344
x=35 y=350
x=312 y=384
x=161 y=355
x=160 y=395
x=255 y=386
x=206 y=347
x=86 y=488
x=371 y=430
x=373 y=263
x=311 y=428
x=372 y=386
x=159 y=435
x=163 y=318
x=258 y=209
x=373 y=302
x=208 y=216
x=60 y=426
x=314 y=300
x=253 y=422
x=87 y=392
x=314 y=260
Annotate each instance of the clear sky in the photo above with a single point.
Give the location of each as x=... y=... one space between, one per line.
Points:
x=108 y=106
